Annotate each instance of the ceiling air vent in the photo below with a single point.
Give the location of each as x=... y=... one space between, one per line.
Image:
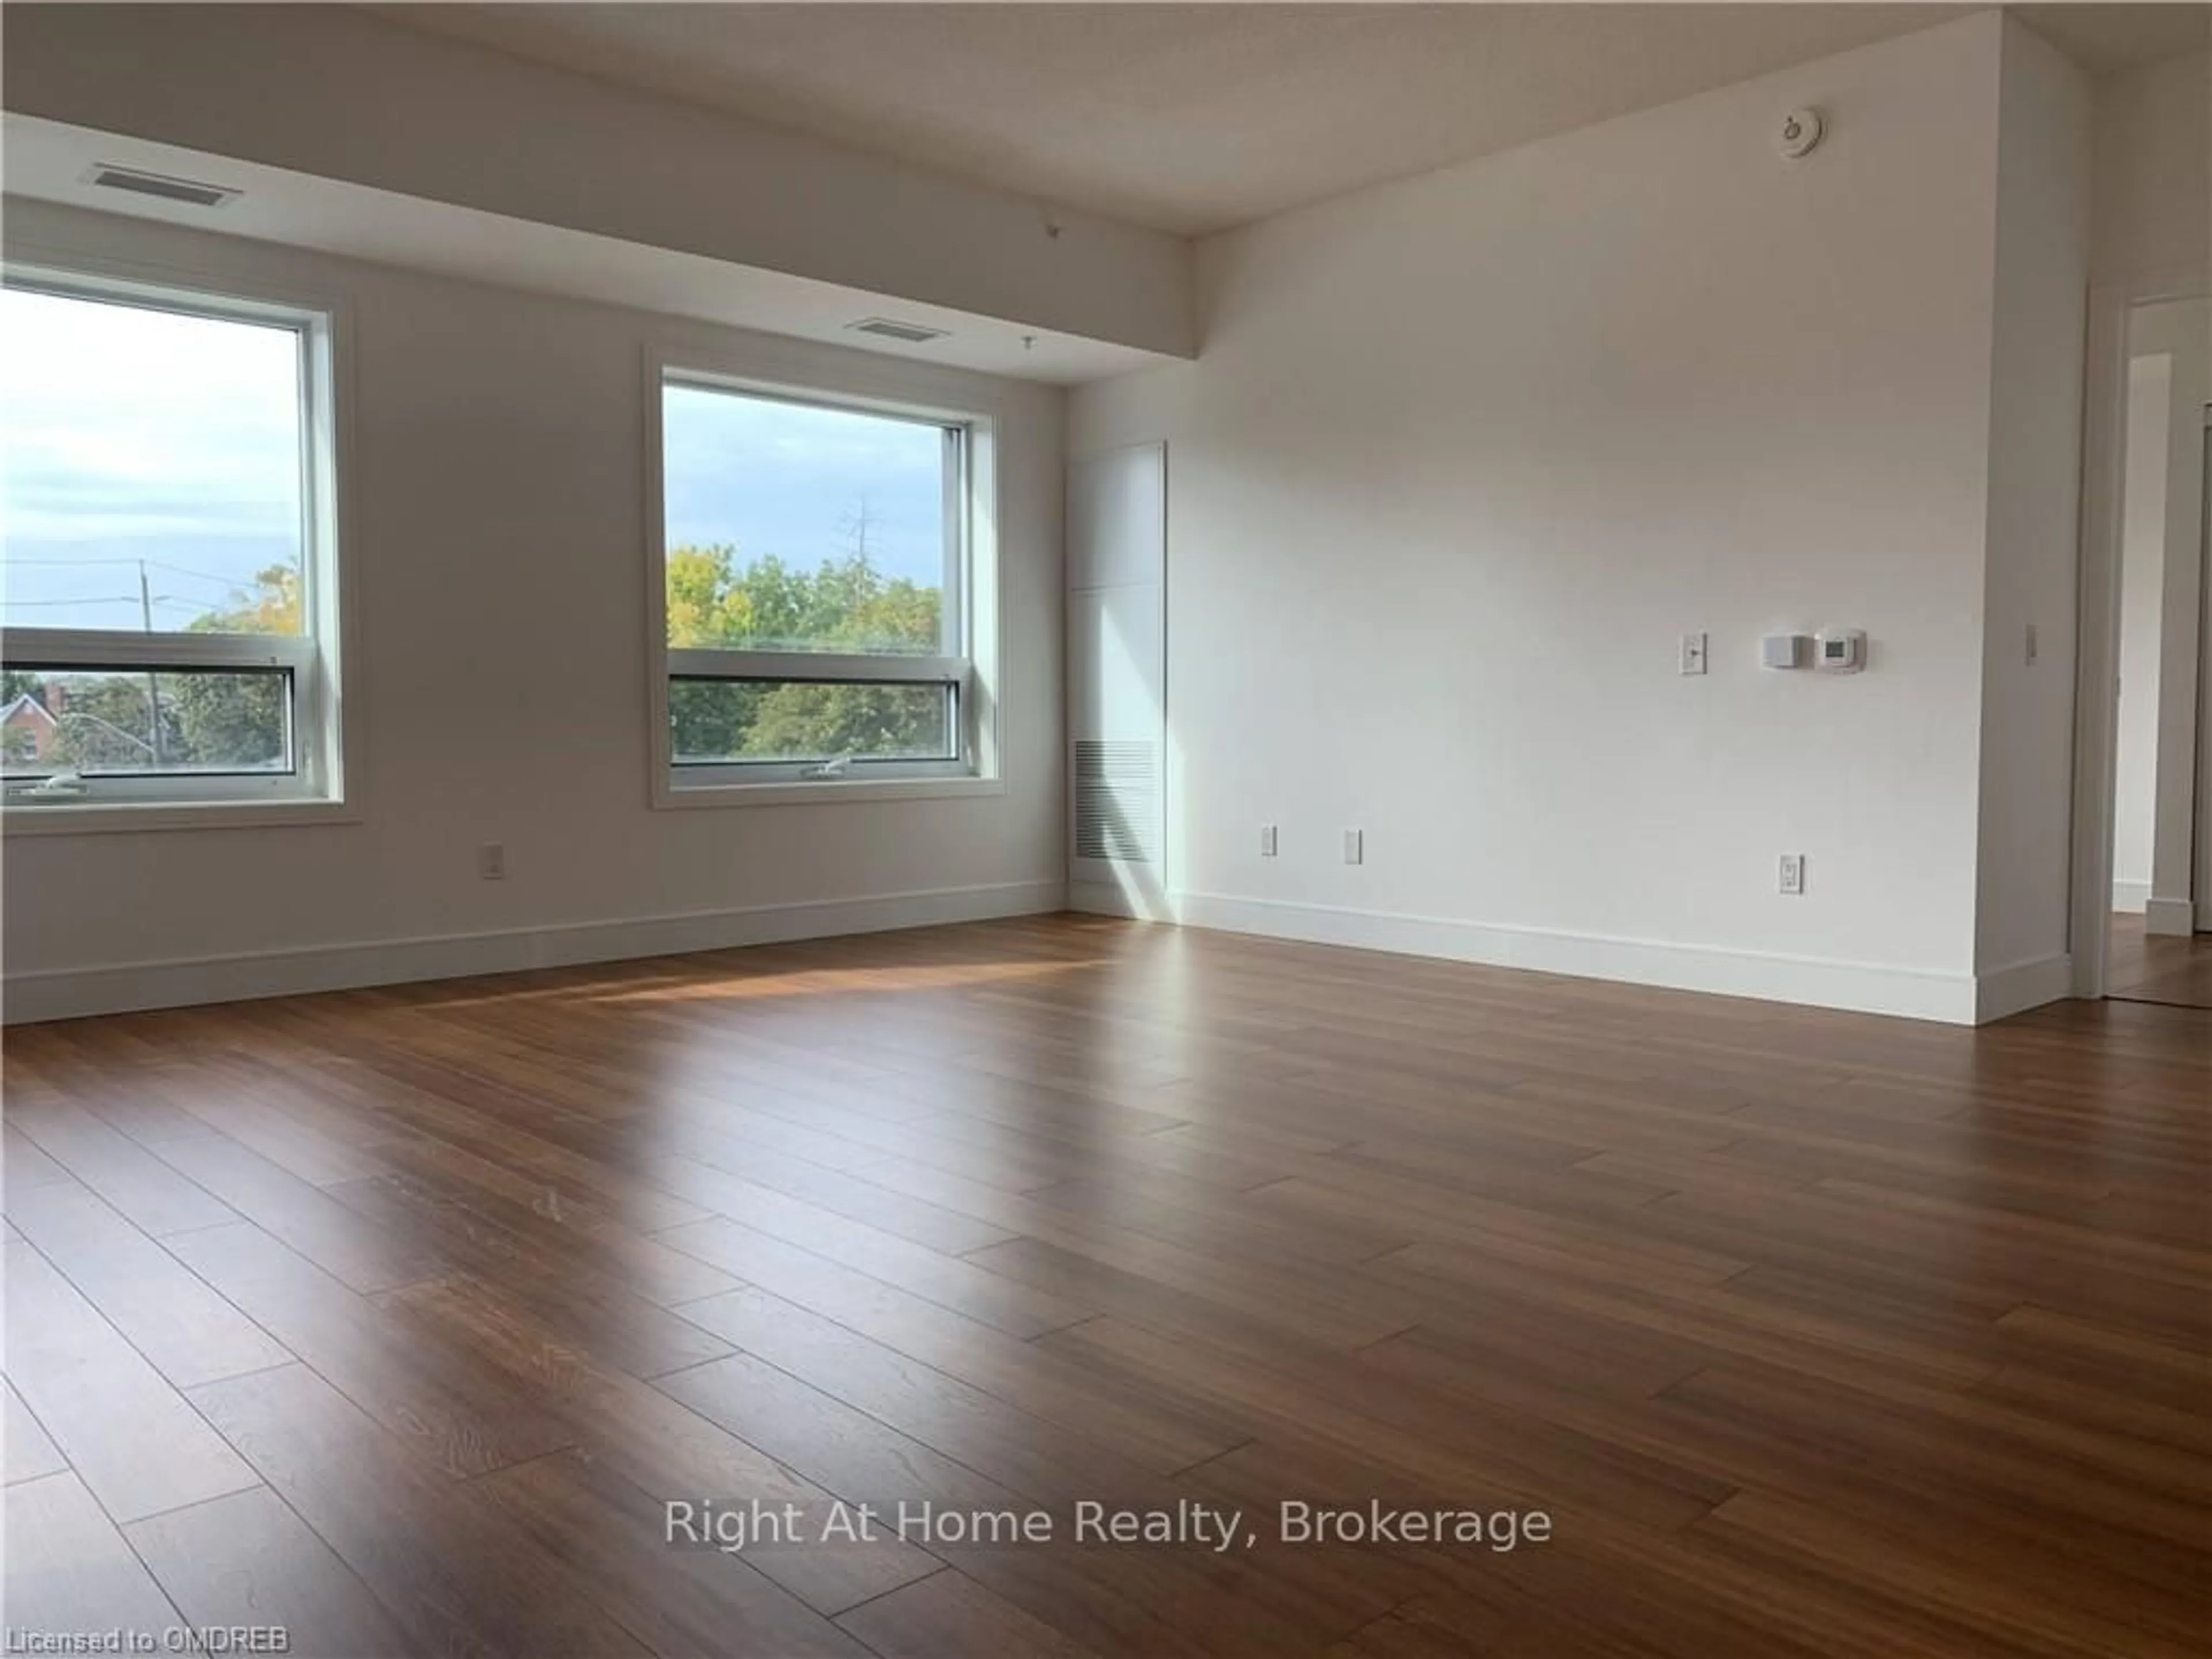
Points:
x=888 y=329
x=188 y=191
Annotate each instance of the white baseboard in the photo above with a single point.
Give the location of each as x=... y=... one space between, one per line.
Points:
x=2129 y=897
x=2173 y=918
x=1100 y=898
x=1862 y=988
x=69 y=993
x=2007 y=991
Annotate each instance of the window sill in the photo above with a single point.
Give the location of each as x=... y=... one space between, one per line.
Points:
x=97 y=817
x=813 y=792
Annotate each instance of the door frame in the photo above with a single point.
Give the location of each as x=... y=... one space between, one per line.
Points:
x=2096 y=699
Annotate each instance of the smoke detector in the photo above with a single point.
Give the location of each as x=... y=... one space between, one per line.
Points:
x=1798 y=134
x=887 y=328
x=191 y=192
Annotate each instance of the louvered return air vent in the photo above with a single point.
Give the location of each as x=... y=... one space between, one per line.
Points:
x=190 y=191
x=1116 y=796
x=888 y=329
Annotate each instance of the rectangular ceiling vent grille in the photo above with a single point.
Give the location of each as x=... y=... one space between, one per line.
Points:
x=188 y=191
x=1116 y=801
x=890 y=329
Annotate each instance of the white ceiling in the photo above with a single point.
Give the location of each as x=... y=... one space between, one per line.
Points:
x=1191 y=118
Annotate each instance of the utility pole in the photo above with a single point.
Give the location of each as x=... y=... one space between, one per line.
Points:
x=153 y=682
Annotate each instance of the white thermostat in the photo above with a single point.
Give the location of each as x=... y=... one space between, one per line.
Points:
x=1799 y=132
x=1839 y=650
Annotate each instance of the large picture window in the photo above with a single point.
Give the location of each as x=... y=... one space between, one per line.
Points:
x=817 y=587
x=167 y=600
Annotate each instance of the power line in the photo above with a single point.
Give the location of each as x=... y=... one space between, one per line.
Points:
x=151 y=564
x=103 y=598
x=170 y=599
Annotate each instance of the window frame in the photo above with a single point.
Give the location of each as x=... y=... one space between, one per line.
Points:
x=323 y=726
x=966 y=663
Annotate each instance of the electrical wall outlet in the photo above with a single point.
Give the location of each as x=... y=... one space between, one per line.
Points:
x=1355 y=847
x=1793 y=873
x=1266 y=841
x=491 y=861
x=1694 y=654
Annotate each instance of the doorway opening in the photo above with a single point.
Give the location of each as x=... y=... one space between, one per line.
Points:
x=2158 y=944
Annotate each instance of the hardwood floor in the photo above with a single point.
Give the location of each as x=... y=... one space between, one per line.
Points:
x=2143 y=967
x=395 y=1317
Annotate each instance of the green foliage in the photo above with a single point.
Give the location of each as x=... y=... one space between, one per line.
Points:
x=238 y=721
x=231 y=721
x=131 y=722
x=845 y=605
x=802 y=722
x=273 y=606
x=104 y=723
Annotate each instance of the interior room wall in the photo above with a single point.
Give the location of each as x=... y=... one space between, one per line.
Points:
x=2142 y=581
x=498 y=523
x=2152 y=214
x=1464 y=456
x=2041 y=274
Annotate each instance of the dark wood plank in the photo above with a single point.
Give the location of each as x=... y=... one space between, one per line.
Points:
x=949 y=1613
x=130 y=1436
x=1145 y=1599
x=1150 y=1429
x=562 y=1224
x=1814 y=1333
x=152 y=1194
x=361 y=1255
x=25 y=1165
x=929 y=1274
x=31 y=1452
x=458 y=1416
x=190 y=1334
x=657 y=1443
x=2145 y=967
x=70 y=1572
x=611 y=1536
x=248 y=1560
x=447 y=1565
x=591 y=1301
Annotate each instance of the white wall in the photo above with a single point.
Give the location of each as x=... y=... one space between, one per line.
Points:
x=2142 y=581
x=1462 y=456
x=2041 y=295
x=333 y=91
x=499 y=529
x=2153 y=213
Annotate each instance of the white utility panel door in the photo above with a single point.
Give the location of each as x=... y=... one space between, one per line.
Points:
x=1117 y=543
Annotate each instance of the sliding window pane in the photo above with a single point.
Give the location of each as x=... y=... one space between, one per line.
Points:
x=719 y=721
x=137 y=722
x=794 y=527
x=151 y=478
